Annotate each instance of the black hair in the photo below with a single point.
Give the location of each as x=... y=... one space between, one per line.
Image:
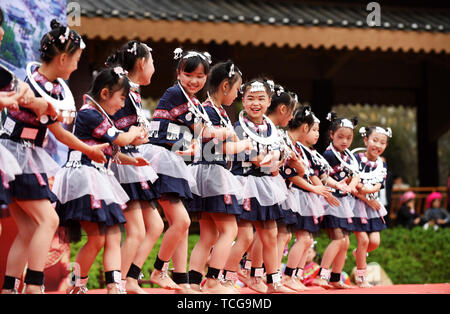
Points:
x=302 y=115
x=336 y=121
x=128 y=55
x=221 y=72
x=109 y=79
x=281 y=97
x=56 y=42
x=191 y=63
x=247 y=85
x=2 y=17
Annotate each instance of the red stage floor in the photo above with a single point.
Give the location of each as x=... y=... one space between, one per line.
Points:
x=443 y=288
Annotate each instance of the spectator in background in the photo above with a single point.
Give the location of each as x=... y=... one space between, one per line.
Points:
x=407 y=215
x=435 y=215
x=399 y=183
x=448 y=188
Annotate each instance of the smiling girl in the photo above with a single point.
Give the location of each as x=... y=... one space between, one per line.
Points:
x=144 y=224
x=172 y=129
x=263 y=193
x=218 y=192
x=31 y=209
x=97 y=205
x=280 y=112
x=307 y=193
x=368 y=213
x=337 y=220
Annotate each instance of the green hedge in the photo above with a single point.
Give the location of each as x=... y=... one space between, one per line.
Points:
x=414 y=256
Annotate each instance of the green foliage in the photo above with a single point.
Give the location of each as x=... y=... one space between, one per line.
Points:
x=414 y=256
x=10 y=50
x=94 y=273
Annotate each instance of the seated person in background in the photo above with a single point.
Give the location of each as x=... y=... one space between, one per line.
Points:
x=407 y=215
x=311 y=267
x=399 y=183
x=435 y=215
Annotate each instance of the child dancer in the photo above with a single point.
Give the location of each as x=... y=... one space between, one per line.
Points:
x=280 y=113
x=338 y=219
x=262 y=191
x=217 y=192
x=307 y=193
x=24 y=134
x=9 y=167
x=144 y=224
x=13 y=93
x=368 y=214
x=171 y=130
x=97 y=204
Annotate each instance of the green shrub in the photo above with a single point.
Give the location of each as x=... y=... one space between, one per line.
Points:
x=414 y=256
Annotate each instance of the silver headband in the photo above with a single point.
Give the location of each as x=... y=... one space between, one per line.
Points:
x=178 y=53
x=378 y=129
x=346 y=123
x=257 y=87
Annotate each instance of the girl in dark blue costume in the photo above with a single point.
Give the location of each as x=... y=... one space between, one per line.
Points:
x=337 y=220
x=9 y=167
x=280 y=112
x=13 y=93
x=89 y=195
x=24 y=134
x=144 y=224
x=264 y=190
x=217 y=193
x=307 y=194
x=171 y=130
x=368 y=212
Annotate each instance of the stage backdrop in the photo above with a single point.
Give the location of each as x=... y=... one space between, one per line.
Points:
x=26 y=21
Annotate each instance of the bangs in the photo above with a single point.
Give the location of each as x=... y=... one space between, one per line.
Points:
x=189 y=65
x=123 y=84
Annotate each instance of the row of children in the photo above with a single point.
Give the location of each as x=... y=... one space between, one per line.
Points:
x=251 y=184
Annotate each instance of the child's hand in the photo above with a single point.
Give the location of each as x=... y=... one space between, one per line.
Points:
x=373 y=204
x=322 y=190
x=230 y=134
x=96 y=154
x=296 y=163
x=248 y=145
x=341 y=185
x=333 y=201
x=24 y=94
x=353 y=189
x=191 y=151
x=7 y=100
x=143 y=139
x=136 y=131
x=51 y=111
x=41 y=107
x=141 y=161
x=271 y=159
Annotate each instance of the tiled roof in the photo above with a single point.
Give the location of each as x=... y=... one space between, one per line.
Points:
x=269 y=12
